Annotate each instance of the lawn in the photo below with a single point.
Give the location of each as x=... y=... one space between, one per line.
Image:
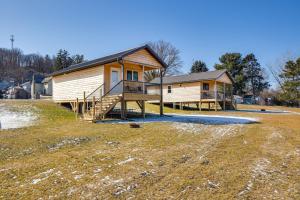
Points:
x=63 y=157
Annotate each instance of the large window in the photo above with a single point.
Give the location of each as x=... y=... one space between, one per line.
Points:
x=205 y=86
x=169 y=88
x=132 y=75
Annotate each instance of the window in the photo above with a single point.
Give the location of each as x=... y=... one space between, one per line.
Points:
x=169 y=88
x=205 y=86
x=132 y=75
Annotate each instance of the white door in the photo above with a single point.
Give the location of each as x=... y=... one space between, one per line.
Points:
x=115 y=78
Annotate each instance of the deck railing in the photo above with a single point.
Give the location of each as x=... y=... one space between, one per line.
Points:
x=214 y=95
x=139 y=87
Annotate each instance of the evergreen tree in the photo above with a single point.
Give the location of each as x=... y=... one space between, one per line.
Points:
x=63 y=60
x=233 y=63
x=199 y=66
x=77 y=59
x=291 y=82
x=255 y=81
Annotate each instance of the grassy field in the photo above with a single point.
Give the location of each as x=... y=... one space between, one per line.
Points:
x=61 y=157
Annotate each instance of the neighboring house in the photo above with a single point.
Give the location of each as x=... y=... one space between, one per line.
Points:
x=4 y=85
x=17 y=92
x=26 y=86
x=37 y=87
x=96 y=86
x=238 y=99
x=249 y=99
x=47 y=85
x=212 y=88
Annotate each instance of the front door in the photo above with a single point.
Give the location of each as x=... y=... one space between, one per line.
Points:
x=115 y=77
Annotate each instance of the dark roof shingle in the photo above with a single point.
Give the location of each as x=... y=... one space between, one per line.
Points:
x=108 y=59
x=210 y=75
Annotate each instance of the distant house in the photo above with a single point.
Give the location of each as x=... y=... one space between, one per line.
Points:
x=17 y=92
x=213 y=88
x=96 y=86
x=4 y=85
x=37 y=87
x=26 y=86
x=47 y=85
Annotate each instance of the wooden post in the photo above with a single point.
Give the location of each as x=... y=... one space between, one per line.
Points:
x=200 y=102
x=83 y=106
x=161 y=112
x=174 y=105
x=143 y=109
x=224 y=96
x=123 y=115
x=143 y=79
x=77 y=106
x=94 y=109
x=216 y=95
x=209 y=106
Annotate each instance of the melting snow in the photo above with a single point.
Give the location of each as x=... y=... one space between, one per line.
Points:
x=15 y=119
x=184 y=118
x=126 y=161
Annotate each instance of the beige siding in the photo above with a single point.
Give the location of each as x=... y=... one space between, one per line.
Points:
x=71 y=86
x=184 y=92
x=224 y=79
x=144 y=57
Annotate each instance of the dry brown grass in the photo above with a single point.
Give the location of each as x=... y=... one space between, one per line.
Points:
x=61 y=157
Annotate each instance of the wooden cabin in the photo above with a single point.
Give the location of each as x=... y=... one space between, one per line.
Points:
x=95 y=87
x=213 y=88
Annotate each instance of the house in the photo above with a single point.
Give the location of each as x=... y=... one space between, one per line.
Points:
x=213 y=88
x=34 y=87
x=37 y=87
x=47 y=86
x=17 y=92
x=95 y=87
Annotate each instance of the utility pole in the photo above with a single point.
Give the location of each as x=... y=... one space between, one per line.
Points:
x=12 y=39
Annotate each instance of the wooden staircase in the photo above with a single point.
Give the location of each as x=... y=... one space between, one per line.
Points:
x=101 y=107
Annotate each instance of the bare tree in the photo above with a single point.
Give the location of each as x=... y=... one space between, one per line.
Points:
x=277 y=67
x=169 y=54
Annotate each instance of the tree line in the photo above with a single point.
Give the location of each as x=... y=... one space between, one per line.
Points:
x=19 y=67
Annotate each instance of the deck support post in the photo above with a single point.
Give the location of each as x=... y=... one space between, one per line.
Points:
x=83 y=106
x=181 y=107
x=208 y=106
x=216 y=95
x=174 y=105
x=143 y=80
x=123 y=106
x=77 y=106
x=200 y=105
x=224 y=96
x=143 y=109
x=161 y=109
x=94 y=109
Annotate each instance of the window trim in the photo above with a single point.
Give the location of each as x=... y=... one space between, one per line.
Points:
x=204 y=88
x=169 y=90
x=132 y=73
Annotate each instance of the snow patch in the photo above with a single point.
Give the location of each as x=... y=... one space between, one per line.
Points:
x=185 y=118
x=10 y=119
x=129 y=159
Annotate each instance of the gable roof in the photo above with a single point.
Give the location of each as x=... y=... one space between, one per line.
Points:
x=193 y=77
x=108 y=59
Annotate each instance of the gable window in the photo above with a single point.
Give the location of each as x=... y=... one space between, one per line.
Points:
x=205 y=86
x=169 y=88
x=132 y=75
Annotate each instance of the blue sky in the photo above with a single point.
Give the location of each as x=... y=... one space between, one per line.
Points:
x=200 y=29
